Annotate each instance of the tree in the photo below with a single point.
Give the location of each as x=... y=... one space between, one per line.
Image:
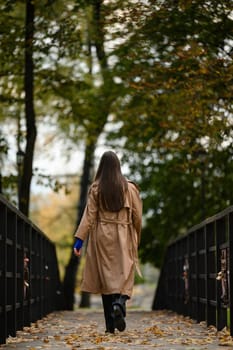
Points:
x=24 y=185
x=11 y=80
x=12 y=83
x=178 y=71
x=94 y=127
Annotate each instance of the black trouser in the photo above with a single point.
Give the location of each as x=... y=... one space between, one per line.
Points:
x=108 y=301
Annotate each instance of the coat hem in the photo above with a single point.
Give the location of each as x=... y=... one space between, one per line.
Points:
x=107 y=292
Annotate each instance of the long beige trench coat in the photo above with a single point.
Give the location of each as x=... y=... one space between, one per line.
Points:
x=113 y=241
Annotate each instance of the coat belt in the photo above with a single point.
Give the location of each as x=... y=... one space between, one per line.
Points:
x=109 y=221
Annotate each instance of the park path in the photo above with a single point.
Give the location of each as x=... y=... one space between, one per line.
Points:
x=84 y=329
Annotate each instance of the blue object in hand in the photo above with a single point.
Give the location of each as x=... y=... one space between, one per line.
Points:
x=78 y=244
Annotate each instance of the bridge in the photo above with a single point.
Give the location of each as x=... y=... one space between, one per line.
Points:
x=192 y=305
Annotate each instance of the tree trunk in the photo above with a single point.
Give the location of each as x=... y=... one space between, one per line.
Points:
x=85 y=300
x=26 y=176
x=0 y=183
x=99 y=36
x=72 y=266
x=98 y=42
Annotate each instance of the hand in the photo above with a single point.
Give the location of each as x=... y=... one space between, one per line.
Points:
x=77 y=252
x=78 y=246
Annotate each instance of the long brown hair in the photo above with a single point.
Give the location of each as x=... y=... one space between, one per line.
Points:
x=112 y=184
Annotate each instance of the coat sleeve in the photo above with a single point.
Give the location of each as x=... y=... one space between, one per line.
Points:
x=89 y=217
x=136 y=211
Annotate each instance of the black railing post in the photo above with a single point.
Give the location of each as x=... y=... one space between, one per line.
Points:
x=11 y=273
x=186 y=278
x=27 y=278
x=230 y=276
x=187 y=300
x=193 y=271
x=41 y=275
x=3 y=300
x=201 y=275
x=222 y=245
x=20 y=273
x=211 y=271
x=32 y=276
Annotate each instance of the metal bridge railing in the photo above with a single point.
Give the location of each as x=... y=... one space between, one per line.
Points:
x=196 y=279
x=29 y=276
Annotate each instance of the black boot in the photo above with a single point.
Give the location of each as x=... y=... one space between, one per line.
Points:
x=119 y=311
x=108 y=312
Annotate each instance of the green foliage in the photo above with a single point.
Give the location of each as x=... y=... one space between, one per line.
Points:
x=55 y=214
x=176 y=119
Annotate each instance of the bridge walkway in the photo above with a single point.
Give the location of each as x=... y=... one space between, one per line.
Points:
x=85 y=329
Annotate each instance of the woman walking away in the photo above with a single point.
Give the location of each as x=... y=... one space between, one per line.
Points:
x=112 y=218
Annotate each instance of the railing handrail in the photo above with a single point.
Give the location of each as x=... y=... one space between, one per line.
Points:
x=22 y=216
x=196 y=278
x=203 y=223
x=29 y=275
